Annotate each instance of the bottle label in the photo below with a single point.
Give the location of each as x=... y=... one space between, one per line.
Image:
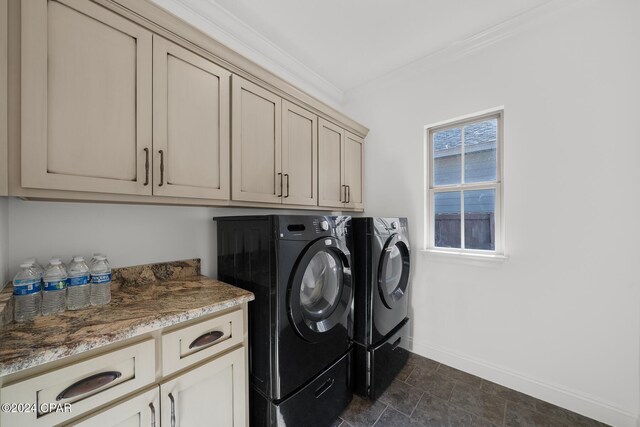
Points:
x=26 y=286
x=80 y=280
x=55 y=286
x=101 y=278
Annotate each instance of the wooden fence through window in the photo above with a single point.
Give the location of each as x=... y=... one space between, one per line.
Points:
x=479 y=230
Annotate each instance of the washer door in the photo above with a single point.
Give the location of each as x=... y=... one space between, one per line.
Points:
x=393 y=271
x=320 y=290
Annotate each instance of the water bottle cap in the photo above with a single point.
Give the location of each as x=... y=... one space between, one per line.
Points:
x=55 y=261
x=78 y=259
x=28 y=262
x=97 y=254
x=100 y=257
x=26 y=265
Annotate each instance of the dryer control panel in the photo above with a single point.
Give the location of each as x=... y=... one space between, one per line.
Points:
x=311 y=227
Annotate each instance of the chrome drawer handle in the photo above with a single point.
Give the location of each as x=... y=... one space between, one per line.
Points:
x=89 y=384
x=207 y=338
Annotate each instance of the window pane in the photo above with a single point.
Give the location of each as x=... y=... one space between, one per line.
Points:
x=447 y=219
x=479 y=219
x=447 y=161
x=480 y=151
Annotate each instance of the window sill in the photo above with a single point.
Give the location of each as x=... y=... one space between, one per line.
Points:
x=465 y=257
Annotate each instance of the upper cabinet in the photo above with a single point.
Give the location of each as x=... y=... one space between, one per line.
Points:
x=115 y=107
x=299 y=155
x=331 y=187
x=190 y=124
x=274 y=147
x=340 y=171
x=86 y=99
x=118 y=110
x=256 y=142
x=353 y=171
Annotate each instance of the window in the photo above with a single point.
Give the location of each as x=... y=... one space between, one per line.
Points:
x=464 y=179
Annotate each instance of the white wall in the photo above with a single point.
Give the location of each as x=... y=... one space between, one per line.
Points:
x=4 y=241
x=560 y=318
x=128 y=234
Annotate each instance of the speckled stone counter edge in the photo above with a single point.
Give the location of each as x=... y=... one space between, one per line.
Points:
x=86 y=345
x=135 y=275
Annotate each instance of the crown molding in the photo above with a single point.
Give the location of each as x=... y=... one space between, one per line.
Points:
x=516 y=25
x=223 y=26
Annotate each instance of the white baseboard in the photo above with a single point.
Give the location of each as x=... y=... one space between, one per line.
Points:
x=587 y=405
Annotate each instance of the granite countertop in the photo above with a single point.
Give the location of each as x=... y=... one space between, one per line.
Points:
x=144 y=299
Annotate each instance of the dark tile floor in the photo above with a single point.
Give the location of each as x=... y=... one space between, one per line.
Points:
x=429 y=394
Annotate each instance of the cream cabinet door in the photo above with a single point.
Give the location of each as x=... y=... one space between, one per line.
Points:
x=255 y=143
x=142 y=410
x=299 y=155
x=211 y=394
x=331 y=182
x=86 y=98
x=190 y=124
x=353 y=171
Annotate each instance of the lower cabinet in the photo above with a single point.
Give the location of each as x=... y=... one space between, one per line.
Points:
x=211 y=394
x=204 y=385
x=141 y=410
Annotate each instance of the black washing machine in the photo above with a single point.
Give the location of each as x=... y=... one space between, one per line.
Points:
x=300 y=324
x=382 y=263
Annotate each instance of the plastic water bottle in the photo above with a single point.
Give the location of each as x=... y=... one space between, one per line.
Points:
x=54 y=291
x=26 y=293
x=78 y=284
x=36 y=266
x=100 y=281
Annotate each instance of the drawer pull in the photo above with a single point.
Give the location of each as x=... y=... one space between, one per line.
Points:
x=324 y=387
x=208 y=338
x=396 y=344
x=89 y=384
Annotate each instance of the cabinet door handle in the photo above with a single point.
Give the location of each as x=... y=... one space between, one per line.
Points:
x=286 y=175
x=146 y=166
x=207 y=338
x=348 y=194
x=343 y=189
x=280 y=176
x=88 y=384
x=153 y=414
x=173 y=410
x=161 y=168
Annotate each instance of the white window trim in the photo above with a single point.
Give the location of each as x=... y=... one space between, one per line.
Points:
x=497 y=255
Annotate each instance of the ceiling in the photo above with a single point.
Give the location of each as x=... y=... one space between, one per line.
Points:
x=350 y=42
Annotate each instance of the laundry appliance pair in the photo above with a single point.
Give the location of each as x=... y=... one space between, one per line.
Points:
x=325 y=320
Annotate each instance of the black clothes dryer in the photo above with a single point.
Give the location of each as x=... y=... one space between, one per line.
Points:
x=300 y=324
x=382 y=263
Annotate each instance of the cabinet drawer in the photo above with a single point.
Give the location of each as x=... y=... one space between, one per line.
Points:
x=80 y=387
x=194 y=343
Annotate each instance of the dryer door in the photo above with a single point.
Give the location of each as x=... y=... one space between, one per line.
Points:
x=393 y=271
x=320 y=290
